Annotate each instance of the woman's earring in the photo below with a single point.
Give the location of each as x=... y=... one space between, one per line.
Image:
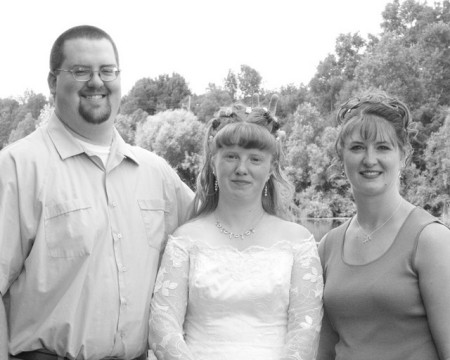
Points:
x=216 y=186
x=343 y=174
x=265 y=190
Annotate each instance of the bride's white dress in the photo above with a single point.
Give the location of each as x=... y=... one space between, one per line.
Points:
x=222 y=303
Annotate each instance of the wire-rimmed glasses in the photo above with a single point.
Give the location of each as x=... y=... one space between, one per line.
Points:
x=84 y=73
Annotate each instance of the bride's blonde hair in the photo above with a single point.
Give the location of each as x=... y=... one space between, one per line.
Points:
x=250 y=129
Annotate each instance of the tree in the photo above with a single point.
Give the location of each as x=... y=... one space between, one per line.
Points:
x=408 y=19
x=411 y=58
x=177 y=136
x=349 y=49
x=25 y=127
x=126 y=125
x=249 y=81
x=231 y=84
x=8 y=111
x=158 y=94
x=326 y=84
x=206 y=105
x=301 y=145
x=391 y=18
x=45 y=114
x=174 y=90
x=336 y=70
x=33 y=102
x=394 y=68
x=437 y=175
x=433 y=50
x=290 y=98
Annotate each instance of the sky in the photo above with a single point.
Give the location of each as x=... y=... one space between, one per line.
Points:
x=284 y=40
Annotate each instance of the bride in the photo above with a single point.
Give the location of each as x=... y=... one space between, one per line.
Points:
x=239 y=281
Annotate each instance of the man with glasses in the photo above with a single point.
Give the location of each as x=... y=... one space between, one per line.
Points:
x=83 y=218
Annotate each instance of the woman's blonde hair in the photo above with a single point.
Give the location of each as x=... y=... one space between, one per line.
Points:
x=364 y=113
x=249 y=129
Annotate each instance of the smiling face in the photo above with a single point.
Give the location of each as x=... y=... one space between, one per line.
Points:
x=79 y=103
x=242 y=173
x=372 y=163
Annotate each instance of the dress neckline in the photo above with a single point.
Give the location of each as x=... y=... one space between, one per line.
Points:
x=384 y=253
x=249 y=249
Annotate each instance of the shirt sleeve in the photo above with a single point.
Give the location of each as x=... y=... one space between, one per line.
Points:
x=305 y=303
x=169 y=303
x=12 y=249
x=180 y=197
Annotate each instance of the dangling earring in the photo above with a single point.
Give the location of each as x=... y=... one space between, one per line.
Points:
x=265 y=190
x=343 y=174
x=216 y=186
x=400 y=175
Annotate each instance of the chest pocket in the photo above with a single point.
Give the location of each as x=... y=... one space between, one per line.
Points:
x=68 y=229
x=153 y=212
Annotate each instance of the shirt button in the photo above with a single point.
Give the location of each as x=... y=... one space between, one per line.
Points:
x=119 y=236
x=123 y=301
x=113 y=204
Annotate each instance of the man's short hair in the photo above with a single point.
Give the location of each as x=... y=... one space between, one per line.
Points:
x=77 y=32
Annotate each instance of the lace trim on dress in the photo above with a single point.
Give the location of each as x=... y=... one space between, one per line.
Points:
x=304 y=288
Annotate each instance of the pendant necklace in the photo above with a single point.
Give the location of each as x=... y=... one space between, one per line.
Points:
x=232 y=235
x=368 y=237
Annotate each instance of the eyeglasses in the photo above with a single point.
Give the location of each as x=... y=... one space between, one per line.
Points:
x=82 y=73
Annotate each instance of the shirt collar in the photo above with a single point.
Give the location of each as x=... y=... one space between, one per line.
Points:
x=67 y=146
x=119 y=146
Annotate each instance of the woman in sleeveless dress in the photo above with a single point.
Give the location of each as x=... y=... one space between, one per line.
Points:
x=386 y=270
x=239 y=281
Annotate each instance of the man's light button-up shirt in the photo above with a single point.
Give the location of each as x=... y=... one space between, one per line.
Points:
x=61 y=228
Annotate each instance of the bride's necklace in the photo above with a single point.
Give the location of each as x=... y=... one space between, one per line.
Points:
x=368 y=237
x=232 y=235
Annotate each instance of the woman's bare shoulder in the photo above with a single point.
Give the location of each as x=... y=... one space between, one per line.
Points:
x=192 y=228
x=434 y=239
x=291 y=230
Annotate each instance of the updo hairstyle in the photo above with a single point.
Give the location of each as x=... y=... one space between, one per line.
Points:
x=248 y=128
x=376 y=115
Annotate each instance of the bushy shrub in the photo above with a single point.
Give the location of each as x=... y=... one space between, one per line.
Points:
x=175 y=135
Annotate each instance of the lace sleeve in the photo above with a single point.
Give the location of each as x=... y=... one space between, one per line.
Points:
x=305 y=303
x=168 y=306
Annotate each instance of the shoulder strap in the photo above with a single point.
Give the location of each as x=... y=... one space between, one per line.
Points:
x=332 y=244
x=338 y=232
x=335 y=236
x=415 y=222
x=410 y=232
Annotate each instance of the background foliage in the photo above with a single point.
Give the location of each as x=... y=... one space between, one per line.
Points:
x=409 y=59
